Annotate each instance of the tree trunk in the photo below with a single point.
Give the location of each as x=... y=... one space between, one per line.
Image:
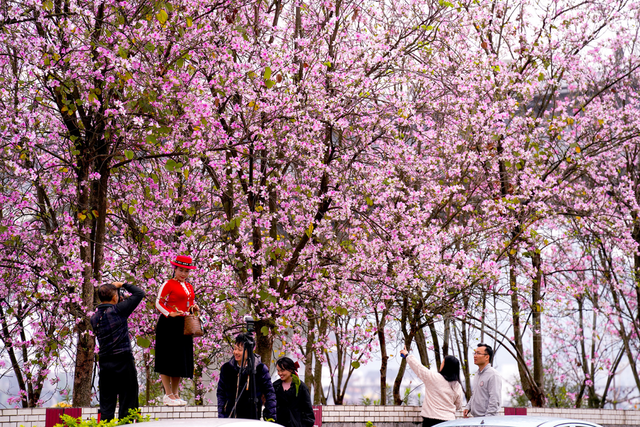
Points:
x=84 y=366
x=436 y=341
x=528 y=384
x=92 y=202
x=397 y=398
x=421 y=343
x=636 y=263
x=264 y=343
x=464 y=354
x=381 y=322
x=536 y=307
x=308 y=355
x=446 y=337
x=318 y=395
x=86 y=342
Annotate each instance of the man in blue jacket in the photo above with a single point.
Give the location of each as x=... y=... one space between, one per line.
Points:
x=118 y=375
x=232 y=386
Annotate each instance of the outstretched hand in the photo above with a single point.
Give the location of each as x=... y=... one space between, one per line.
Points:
x=404 y=352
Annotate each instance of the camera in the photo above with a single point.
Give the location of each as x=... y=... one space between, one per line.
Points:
x=251 y=324
x=121 y=296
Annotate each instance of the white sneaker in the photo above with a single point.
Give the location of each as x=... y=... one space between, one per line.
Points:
x=181 y=402
x=167 y=401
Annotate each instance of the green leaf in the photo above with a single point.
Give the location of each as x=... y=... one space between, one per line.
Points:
x=264 y=330
x=123 y=52
x=266 y=296
x=152 y=139
x=131 y=210
x=327 y=64
x=143 y=342
x=309 y=231
x=189 y=21
x=355 y=364
x=128 y=154
x=369 y=201
x=243 y=31
x=342 y=311
x=162 y=16
x=269 y=83
x=267 y=73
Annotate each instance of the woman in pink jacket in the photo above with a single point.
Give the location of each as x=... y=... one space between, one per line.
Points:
x=442 y=390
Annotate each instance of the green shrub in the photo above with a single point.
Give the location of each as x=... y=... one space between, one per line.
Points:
x=133 y=417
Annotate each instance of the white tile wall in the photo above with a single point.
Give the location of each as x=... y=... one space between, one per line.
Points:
x=333 y=416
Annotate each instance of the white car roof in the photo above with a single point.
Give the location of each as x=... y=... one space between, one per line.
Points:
x=517 y=421
x=209 y=422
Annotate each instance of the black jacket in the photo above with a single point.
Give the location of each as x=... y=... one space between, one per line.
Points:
x=227 y=388
x=294 y=405
x=110 y=325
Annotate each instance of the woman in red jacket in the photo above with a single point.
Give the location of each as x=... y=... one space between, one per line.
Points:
x=174 y=350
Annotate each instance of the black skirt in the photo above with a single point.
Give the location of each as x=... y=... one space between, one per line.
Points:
x=174 y=350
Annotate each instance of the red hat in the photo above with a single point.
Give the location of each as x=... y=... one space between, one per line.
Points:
x=184 y=261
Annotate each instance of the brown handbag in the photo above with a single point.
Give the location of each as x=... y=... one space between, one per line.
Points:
x=193 y=324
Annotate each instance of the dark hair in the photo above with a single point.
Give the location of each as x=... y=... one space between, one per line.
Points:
x=451 y=369
x=488 y=349
x=242 y=339
x=287 y=364
x=106 y=292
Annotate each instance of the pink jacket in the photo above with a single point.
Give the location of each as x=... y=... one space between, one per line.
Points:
x=441 y=398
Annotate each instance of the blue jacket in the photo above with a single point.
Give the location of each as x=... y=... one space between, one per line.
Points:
x=229 y=388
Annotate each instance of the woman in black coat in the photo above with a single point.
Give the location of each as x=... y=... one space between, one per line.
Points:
x=293 y=403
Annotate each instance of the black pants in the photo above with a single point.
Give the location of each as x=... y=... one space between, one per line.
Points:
x=428 y=422
x=118 y=380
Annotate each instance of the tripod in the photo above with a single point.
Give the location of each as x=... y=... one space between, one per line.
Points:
x=247 y=365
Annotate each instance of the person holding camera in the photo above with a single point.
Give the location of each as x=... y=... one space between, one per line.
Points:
x=118 y=376
x=174 y=349
x=234 y=392
x=293 y=401
x=442 y=390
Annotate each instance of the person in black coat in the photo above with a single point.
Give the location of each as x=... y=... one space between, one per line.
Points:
x=118 y=373
x=230 y=387
x=293 y=401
